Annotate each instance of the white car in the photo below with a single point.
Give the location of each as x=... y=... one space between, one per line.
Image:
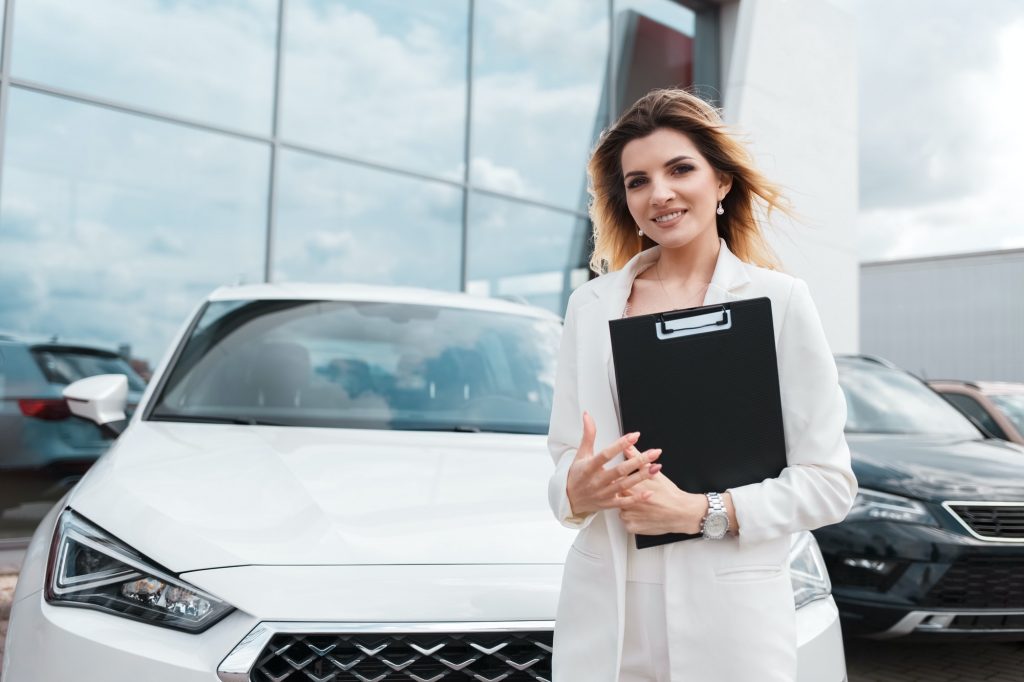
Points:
x=325 y=483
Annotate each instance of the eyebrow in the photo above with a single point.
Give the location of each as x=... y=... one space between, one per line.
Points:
x=668 y=163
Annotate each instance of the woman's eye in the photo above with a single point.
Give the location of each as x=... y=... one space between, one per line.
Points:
x=683 y=168
x=635 y=182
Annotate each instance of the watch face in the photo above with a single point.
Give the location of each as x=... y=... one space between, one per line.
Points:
x=716 y=525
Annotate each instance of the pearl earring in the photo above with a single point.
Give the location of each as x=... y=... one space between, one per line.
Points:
x=639 y=232
x=720 y=210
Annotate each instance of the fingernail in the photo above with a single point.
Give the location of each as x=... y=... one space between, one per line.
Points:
x=654 y=468
x=633 y=436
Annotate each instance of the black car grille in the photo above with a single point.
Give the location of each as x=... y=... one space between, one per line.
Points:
x=980 y=583
x=1005 y=522
x=369 y=657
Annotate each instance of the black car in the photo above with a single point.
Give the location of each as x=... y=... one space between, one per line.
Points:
x=934 y=545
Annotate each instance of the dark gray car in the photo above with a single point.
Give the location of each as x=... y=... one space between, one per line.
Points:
x=44 y=450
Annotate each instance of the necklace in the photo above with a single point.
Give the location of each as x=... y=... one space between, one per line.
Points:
x=691 y=299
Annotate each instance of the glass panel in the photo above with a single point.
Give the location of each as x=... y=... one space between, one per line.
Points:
x=3 y=13
x=538 y=96
x=210 y=60
x=525 y=252
x=972 y=408
x=1012 y=405
x=361 y=364
x=115 y=226
x=340 y=222
x=654 y=48
x=381 y=80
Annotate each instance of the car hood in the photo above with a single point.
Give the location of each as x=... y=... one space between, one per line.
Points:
x=935 y=469
x=196 y=496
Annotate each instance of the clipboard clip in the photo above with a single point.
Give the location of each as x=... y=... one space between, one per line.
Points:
x=675 y=325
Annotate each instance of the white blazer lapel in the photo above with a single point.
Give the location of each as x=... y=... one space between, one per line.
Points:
x=730 y=274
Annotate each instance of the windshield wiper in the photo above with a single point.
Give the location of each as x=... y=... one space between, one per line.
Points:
x=457 y=428
x=462 y=428
x=211 y=419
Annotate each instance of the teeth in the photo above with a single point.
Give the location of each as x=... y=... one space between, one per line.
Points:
x=670 y=216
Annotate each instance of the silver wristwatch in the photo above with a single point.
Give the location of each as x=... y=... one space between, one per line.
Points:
x=715 y=523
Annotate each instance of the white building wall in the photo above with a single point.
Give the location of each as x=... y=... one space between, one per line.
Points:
x=790 y=84
x=956 y=317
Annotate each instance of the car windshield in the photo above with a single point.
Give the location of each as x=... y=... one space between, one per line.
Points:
x=64 y=365
x=1012 y=405
x=880 y=399
x=364 y=365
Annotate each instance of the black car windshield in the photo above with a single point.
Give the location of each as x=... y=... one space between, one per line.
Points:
x=364 y=365
x=1012 y=405
x=880 y=399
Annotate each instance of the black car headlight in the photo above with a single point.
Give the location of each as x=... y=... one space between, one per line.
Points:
x=871 y=505
x=89 y=568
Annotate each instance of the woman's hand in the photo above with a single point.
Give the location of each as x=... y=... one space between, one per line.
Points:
x=661 y=507
x=591 y=487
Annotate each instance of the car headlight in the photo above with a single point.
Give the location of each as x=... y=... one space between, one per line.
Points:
x=871 y=505
x=90 y=568
x=807 y=570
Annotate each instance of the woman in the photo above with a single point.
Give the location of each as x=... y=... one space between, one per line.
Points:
x=674 y=205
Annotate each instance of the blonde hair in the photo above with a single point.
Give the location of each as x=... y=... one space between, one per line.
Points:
x=615 y=232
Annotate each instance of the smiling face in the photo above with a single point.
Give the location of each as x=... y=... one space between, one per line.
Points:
x=671 y=189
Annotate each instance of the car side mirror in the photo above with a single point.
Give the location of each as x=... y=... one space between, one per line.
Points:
x=100 y=399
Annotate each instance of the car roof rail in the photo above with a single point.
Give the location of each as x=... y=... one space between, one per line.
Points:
x=878 y=360
x=969 y=384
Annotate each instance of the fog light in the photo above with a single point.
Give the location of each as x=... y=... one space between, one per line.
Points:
x=873 y=565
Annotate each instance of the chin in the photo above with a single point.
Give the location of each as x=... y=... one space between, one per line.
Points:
x=680 y=240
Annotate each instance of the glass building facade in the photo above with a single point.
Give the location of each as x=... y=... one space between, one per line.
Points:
x=153 y=150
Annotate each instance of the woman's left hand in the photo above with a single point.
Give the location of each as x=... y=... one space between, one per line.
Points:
x=667 y=510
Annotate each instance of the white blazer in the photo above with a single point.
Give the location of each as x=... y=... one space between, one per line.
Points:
x=729 y=602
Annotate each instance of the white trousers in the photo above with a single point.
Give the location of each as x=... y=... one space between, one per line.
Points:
x=645 y=644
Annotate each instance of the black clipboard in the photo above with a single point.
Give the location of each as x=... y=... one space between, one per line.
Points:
x=702 y=384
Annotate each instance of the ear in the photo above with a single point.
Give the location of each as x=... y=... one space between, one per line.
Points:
x=724 y=184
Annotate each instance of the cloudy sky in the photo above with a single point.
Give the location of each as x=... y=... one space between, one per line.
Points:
x=941 y=126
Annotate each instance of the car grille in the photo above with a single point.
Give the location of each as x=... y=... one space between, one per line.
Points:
x=980 y=582
x=991 y=521
x=1012 y=621
x=369 y=657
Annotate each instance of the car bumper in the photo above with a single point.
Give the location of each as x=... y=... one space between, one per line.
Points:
x=49 y=643
x=900 y=580
x=820 y=655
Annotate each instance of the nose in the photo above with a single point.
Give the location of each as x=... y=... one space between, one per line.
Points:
x=661 y=193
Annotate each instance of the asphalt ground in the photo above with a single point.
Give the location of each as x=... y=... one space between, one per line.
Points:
x=866 y=660
x=895 y=661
